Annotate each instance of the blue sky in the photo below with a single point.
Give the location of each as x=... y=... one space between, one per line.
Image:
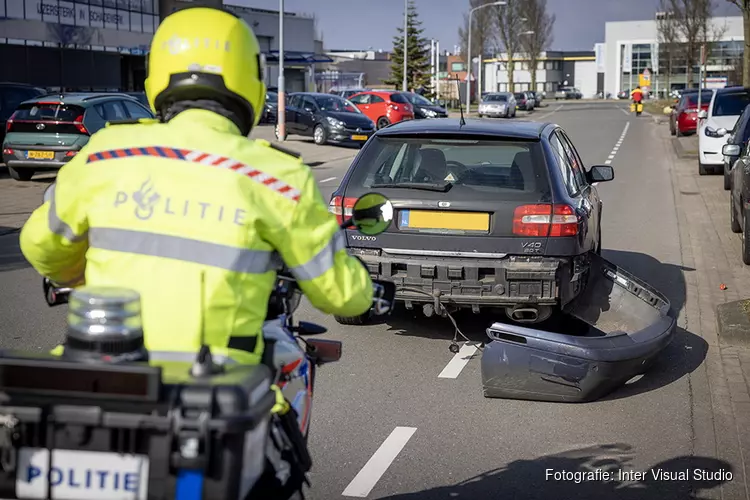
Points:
x=359 y=24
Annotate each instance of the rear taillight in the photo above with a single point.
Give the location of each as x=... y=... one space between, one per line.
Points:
x=9 y=123
x=545 y=220
x=71 y=153
x=394 y=107
x=7 y=151
x=78 y=122
x=341 y=207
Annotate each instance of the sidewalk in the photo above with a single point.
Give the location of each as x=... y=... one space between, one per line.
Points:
x=312 y=154
x=710 y=258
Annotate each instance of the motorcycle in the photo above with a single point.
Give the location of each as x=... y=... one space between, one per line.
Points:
x=290 y=353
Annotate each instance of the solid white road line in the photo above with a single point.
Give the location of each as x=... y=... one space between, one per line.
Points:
x=625 y=111
x=368 y=477
x=459 y=360
x=328 y=179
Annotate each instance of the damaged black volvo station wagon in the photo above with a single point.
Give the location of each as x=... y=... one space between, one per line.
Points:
x=505 y=217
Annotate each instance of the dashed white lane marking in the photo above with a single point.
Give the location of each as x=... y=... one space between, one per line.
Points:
x=548 y=114
x=328 y=180
x=459 y=360
x=625 y=111
x=618 y=145
x=368 y=477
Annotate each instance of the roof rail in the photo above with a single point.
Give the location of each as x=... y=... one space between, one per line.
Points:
x=103 y=95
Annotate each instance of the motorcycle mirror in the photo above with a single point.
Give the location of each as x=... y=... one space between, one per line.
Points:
x=372 y=214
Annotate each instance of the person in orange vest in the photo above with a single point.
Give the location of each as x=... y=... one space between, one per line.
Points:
x=637 y=95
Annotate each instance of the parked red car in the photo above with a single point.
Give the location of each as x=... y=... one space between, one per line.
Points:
x=384 y=107
x=684 y=117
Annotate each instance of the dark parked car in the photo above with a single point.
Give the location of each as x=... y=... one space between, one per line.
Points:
x=11 y=95
x=271 y=108
x=739 y=214
x=423 y=108
x=494 y=214
x=736 y=144
x=140 y=97
x=46 y=132
x=683 y=119
x=326 y=118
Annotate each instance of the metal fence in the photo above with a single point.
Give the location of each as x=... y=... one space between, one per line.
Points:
x=327 y=81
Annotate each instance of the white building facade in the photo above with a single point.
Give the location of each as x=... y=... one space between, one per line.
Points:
x=631 y=49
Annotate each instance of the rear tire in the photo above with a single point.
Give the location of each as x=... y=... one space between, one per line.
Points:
x=733 y=222
x=727 y=180
x=24 y=174
x=360 y=320
x=383 y=122
x=702 y=169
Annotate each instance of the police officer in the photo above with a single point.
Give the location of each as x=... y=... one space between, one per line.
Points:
x=189 y=212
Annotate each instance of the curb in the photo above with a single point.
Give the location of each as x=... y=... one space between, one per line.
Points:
x=733 y=323
x=680 y=151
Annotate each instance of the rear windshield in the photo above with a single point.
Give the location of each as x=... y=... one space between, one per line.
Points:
x=51 y=112
x=272 y=97
x=400 y=98
x=731 y=104
x=475 y=169
x=692 y=99
x=496 y=97
x=519 y=95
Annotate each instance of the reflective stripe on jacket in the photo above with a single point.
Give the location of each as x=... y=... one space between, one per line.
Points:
x=190 y=213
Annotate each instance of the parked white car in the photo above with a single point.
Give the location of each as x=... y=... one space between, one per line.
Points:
x=725 y=108
x=498 y=104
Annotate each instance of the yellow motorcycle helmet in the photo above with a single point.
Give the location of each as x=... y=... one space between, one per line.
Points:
x=207 y=53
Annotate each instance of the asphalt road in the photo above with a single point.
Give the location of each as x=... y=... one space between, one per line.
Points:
x=438 y=438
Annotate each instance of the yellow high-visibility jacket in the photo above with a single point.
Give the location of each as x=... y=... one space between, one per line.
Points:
x=159 y=207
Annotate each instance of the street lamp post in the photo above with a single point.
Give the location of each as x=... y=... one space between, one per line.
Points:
x=468 y=55
x=406 y=44
x=281 y=114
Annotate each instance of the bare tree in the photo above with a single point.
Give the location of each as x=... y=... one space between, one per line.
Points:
x=482 y=33
x=744 y=6
x=510 y=24
x=541 y=23
x=692 y=18
x=668 y=37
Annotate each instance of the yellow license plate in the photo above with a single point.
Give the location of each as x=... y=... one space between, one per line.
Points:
x=461 y=221
x=359 y=137
x=41 y=155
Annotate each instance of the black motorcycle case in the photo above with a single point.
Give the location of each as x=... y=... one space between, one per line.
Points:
x=204 y=438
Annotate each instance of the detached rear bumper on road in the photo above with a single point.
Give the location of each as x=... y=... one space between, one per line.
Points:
x=631 y=323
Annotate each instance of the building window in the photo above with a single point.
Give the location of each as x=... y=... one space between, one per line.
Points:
x=458 y=66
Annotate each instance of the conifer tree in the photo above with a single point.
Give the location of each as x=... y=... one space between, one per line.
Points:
x=418 y=55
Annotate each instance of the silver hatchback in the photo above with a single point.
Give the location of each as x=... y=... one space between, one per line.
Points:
x=498 y=105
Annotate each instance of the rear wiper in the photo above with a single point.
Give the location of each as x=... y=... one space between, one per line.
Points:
x=440 y=188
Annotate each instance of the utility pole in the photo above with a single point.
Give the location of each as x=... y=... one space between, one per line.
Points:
x=281 y=114
x=406 y=44
x=437 y=70
x=432 y=64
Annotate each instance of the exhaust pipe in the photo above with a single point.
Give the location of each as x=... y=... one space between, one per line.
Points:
x=528 y=314
x=523 y=314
